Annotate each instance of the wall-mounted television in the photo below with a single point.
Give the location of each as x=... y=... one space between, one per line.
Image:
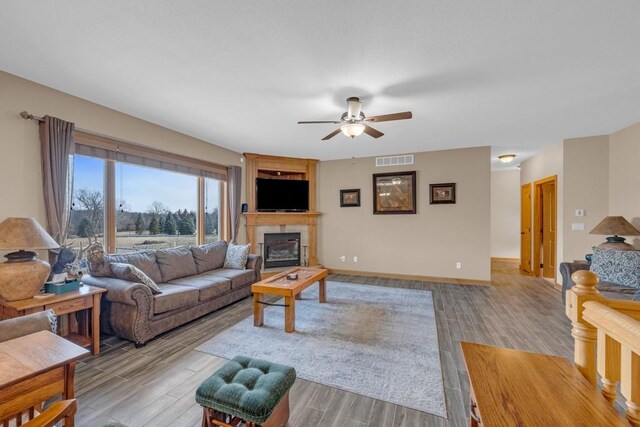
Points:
x=284 y=195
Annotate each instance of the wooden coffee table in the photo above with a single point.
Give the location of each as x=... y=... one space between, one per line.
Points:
x=289 y=289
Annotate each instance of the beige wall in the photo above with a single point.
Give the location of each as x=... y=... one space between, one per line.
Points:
x=548 y=162
x=505 y=214
x=20 y=177
x=428 y=243
x=586 y=186
x=624 y=176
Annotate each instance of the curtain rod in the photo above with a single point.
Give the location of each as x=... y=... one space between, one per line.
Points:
x=27 y=116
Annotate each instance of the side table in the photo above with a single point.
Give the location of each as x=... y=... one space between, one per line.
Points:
x=83 y=305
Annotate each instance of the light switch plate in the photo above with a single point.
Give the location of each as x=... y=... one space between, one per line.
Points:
x=577 y=226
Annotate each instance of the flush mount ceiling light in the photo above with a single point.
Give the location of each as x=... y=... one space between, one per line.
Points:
x=352 y=129
x=507 y=158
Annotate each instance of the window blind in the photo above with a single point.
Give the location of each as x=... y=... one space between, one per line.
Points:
x=88 y=144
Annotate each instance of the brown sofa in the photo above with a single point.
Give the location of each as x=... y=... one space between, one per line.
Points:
x=193 y=283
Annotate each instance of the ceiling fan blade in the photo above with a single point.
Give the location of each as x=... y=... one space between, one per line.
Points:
x=390 y=117
x=332 y=134
x=321 y=121
x=372 y=132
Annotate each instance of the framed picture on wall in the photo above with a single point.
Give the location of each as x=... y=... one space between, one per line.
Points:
x=350 y=198
x=394 y=193
x=442 y=194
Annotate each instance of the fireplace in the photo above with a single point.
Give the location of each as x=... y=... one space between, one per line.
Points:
x=281 y=249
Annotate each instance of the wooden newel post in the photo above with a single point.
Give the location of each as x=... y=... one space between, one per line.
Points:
x=583 y=333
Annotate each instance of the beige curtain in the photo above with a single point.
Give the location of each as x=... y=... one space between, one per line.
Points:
x=234 y=174
x=57 y=149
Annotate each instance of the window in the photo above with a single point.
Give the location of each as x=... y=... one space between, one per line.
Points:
x=148 y=198
x=212 y=205
x=155 y=208
x=87 y=209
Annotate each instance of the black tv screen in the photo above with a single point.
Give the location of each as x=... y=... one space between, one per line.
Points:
x=282 y=195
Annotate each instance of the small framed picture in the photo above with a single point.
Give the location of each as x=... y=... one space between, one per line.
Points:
x=442 y=194
x=350 y=198
x=394 y=193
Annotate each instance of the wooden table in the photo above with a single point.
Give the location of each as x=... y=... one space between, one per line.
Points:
x=289 y=289
x=34 y=368
x=84 y=328
x=516 y=388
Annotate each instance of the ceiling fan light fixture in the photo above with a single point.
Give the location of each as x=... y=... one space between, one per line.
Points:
x=507 y=158
x=352 y=129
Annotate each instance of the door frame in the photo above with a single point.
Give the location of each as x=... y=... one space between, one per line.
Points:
x=537 y=222
x=527 y=186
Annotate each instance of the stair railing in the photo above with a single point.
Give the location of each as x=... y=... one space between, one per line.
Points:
x=606 y=336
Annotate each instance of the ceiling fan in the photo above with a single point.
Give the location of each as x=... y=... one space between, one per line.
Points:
x=353 y=122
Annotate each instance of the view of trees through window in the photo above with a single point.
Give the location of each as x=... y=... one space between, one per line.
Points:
x=154 y=208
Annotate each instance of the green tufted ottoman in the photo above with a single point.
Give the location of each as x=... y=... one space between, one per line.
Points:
x=244 y=389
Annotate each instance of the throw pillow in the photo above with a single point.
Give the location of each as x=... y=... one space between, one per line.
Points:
x=97 y=261
x=210 y=256
x=133 y=274
x=143 y=260
x=237 y=256
x=619 y=267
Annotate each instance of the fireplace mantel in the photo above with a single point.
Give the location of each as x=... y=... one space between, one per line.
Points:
x=310 y=219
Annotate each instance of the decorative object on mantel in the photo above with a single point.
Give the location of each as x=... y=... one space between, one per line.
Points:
x=442 y=194
x=350 y=198
x=394 y=193
x=23 y=274
x=616 y=226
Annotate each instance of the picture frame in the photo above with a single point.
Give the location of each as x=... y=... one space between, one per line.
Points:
x=442 y=194
x=394 y=193
x=350 y=198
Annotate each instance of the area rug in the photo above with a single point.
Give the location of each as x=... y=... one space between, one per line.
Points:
x=376 y=341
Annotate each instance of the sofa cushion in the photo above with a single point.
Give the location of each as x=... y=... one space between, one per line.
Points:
x=145 y=261
x=210 y=256
x=133 y=274
x=237 y=256
x=174 y=297
x=175 y=263
x=208 y=285
x=617 y=267
x=239 y=278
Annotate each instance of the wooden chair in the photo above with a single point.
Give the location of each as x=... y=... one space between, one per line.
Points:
x=60 y=411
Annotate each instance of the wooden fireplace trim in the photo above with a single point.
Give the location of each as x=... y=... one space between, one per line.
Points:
x=305 y=167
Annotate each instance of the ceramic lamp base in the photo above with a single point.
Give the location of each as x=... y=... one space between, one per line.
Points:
x=618 y=246
x=22 y=280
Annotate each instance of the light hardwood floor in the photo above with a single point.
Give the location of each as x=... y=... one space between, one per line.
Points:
x=155 y=386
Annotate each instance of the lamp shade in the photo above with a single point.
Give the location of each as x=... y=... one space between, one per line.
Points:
x=615 y=225
x=352 y=129
x=24 y=234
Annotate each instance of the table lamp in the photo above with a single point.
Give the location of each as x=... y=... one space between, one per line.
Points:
x=616 y=226
x=23 y=274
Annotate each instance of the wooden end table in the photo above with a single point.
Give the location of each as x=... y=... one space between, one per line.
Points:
x=289 y=289
x=35 y=368
x=511 y=387
x=83 y=304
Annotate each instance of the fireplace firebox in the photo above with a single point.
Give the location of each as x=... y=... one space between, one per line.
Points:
x=281 y=249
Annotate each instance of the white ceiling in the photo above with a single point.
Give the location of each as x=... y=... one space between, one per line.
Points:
x=240 y=74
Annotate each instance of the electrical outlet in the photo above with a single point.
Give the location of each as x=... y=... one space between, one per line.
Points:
x=458 y=265
x=355 y=259
x=343 y=258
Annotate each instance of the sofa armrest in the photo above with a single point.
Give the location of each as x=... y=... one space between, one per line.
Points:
x=567 y=269
x=29 y=324
x=120 y=291
x=254 y=262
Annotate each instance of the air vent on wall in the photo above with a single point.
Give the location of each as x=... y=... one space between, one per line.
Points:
x=406 y=159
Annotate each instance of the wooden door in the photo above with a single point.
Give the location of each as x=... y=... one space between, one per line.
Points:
x=549 y=214
x=525 y=229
